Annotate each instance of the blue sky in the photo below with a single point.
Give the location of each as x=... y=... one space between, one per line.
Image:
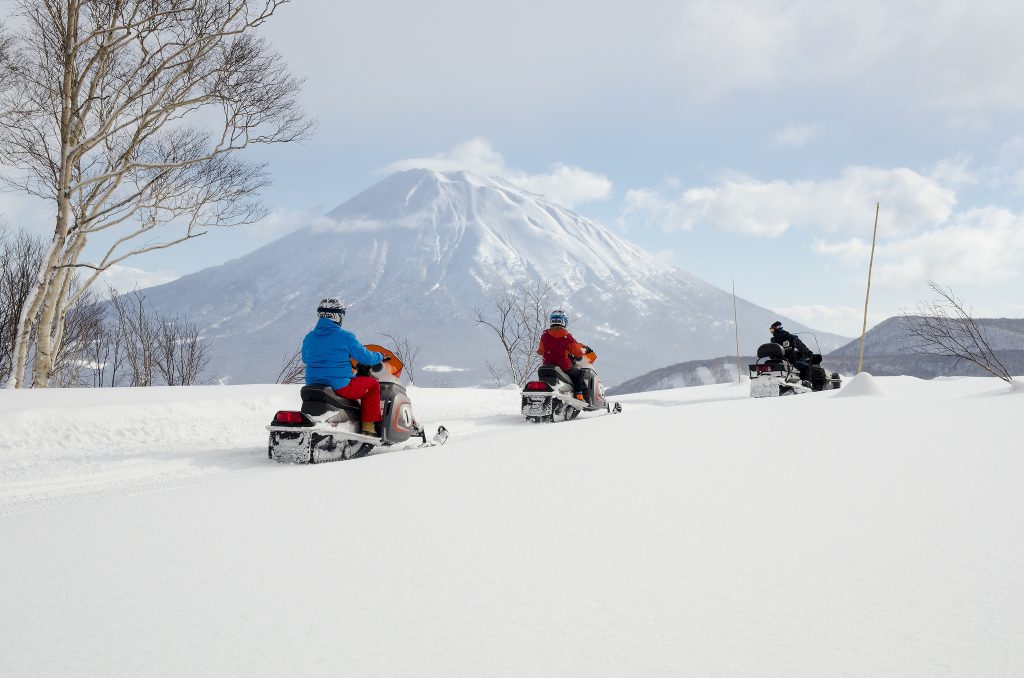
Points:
x=744 y=141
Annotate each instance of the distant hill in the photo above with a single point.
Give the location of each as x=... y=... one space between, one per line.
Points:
x=887 y=352
x=689 y=373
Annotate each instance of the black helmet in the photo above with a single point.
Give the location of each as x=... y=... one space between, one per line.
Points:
x=777 y=325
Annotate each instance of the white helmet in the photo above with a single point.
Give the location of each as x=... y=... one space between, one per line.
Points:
x=331 y=308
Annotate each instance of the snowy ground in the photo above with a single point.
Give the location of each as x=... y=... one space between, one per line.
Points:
x=875 y=531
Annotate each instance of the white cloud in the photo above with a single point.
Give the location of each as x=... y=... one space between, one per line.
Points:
x=844 y=320
x=444 y=368
x=22 y=211
x=566 y=185
x=475 y=155
x=327 y=224
x=127 y=278
x=982 y=247
x=910 y=202
x=665 y=256
x=282 y=221
x=963 y=56
x=958 y=172
x=796 y=136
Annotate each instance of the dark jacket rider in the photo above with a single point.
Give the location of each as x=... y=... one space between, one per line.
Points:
x=796 y=350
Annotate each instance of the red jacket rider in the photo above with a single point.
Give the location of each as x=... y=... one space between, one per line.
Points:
x=556 y=345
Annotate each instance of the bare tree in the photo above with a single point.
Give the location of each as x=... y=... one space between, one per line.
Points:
x=192 y=355
x=136 y=324
x=165 y=349
x=405 y=349
x=151 y=346
x=126 y=115
x=497 y=373
x=83 y=327
x=293 y=370
x=944 y=327
x=518 y=317
x=20 y=258
x=99 y=354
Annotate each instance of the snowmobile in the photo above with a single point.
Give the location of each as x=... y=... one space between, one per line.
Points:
x=773 y=375
x=551 y=398
x=327 y=426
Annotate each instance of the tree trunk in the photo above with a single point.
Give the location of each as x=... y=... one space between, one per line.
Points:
x=42 y=365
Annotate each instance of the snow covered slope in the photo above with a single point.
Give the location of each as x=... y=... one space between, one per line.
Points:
x=873 y=531
x=416 y=253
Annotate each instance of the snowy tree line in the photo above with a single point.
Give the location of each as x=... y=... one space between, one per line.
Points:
x=110 y=340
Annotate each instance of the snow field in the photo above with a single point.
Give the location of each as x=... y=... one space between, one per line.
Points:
x=699 y=533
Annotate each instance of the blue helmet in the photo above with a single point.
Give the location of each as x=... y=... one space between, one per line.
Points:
x=559 y=318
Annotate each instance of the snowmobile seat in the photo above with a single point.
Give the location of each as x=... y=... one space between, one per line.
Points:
x=773 y=351
x=552 y=374
x=320 y=398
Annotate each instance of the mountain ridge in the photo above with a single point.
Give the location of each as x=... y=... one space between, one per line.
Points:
x=417 y=252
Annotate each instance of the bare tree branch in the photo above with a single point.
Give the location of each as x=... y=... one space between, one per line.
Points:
x=944 y=327
x=517 y=317
x=405 y=349
x=293 y=370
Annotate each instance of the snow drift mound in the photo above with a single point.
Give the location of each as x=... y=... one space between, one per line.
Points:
x=862 y=385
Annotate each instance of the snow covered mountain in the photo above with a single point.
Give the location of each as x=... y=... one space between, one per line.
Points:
x=415 y=254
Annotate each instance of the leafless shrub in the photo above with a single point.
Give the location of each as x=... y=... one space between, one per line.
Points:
x=440 y=381
x=192 y=353
x=21 y=255
x=944 y=327
x=497 y=373
x=293 y=370
x=405 y=349
x=517 y=316
x=99 y=354
x=136 y=324
x=154 y=347
x=127 y=115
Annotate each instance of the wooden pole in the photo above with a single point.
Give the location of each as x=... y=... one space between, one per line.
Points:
x=736 y=323
x=867 y=296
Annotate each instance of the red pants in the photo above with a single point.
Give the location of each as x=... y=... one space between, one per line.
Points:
x=367 y=391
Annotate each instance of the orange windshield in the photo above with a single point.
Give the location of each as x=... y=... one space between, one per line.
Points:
x=394 y=364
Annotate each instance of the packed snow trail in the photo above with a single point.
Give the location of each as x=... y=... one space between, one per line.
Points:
x=701 y=533
x=59 y=446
